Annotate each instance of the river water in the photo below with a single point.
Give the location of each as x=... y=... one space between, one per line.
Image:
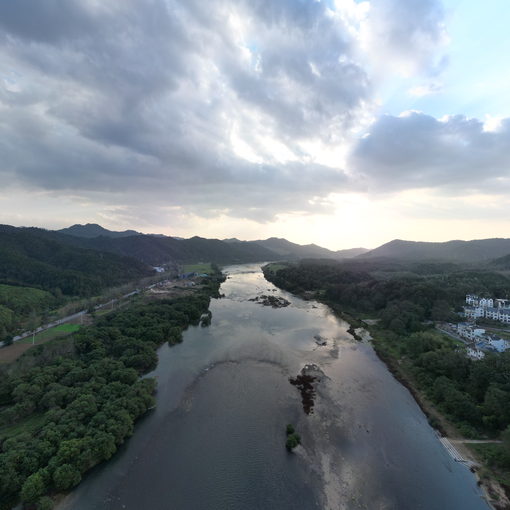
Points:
x=216 y=438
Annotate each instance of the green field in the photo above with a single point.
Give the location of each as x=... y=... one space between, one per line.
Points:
x=23 y=299
x=499 y=332
x=26 y=426
x=197 y=268
x=57 y=331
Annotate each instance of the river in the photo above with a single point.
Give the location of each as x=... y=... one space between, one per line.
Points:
x=216 y=438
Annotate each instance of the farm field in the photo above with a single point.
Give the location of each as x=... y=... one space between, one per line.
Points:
x=13 y=352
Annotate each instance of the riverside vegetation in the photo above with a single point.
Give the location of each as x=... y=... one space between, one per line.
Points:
x=293 y=439
x=406 y=298
x=65 y=412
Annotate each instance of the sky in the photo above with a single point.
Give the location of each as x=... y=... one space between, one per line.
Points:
x=337 y=122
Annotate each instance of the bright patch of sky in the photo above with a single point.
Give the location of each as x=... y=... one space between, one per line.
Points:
x=474 y=76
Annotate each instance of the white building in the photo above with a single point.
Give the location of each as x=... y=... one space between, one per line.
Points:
x=469 y=332
x=473 y=312
x=484 y=307
x=475 y=354
x=471 y=299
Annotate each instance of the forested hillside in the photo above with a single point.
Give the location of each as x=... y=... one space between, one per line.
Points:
x=155 y=250
x=17 y=303
x=291 y=251
x=158 y=250
x=91 y=230
x=478 y=250
x=38 y=258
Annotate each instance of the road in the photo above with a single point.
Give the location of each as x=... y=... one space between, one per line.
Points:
x=71 y=317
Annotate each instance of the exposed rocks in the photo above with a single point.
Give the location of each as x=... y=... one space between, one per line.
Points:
x=273 y=301
x=352 y=331
x=305 y=383
x=320 y=340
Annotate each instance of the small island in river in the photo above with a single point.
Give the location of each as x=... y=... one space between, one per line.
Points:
x=305 y=382
x=274 y=301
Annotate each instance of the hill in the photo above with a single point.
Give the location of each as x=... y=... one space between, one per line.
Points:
x=350 y=253
x=158 y=249
x=476 y=251
x=91 y=230
x=288 y=250
x=155 y=250
x=42 y=259
x=501 y=262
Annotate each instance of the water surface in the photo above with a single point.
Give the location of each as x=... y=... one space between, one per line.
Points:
x=216 y=439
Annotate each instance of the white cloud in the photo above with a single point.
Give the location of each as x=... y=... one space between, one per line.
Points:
x=244 y=108
x=425 y=90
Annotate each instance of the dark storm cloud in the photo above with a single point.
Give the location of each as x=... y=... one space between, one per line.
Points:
x=143 y=98
x=46 y=21
x=419 y=151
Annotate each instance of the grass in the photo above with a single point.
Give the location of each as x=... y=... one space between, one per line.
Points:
x=29 y=425
x=499 y=332
x=198 y=268
x=488 y=453
x=57 y=331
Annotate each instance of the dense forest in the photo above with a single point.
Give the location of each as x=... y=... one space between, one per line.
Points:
x=37 y=258
x=60 y=417
x=39 y=273
x=475 y=395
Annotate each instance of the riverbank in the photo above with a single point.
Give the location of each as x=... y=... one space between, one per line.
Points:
x=494 y=491
x=104 y=393
x=495 y=494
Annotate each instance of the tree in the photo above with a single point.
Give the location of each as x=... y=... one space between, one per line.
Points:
x=66 y=476
x=45 y=503
x=293 y=440
x=33 y=488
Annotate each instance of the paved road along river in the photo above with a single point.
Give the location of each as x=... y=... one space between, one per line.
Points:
x=216 y=439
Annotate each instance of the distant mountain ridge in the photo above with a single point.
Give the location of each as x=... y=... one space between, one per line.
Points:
x=502 y=262
x=158 y=249
x=91 y=230
x=287 y=249
x=478 y=250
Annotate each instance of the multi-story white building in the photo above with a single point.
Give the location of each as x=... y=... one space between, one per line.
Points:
x=473 y=312
x=471 y=299
x=484 y=307
x=502 y=303
x=469 y=332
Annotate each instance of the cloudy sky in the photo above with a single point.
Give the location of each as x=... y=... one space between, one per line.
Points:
x=340 y=122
